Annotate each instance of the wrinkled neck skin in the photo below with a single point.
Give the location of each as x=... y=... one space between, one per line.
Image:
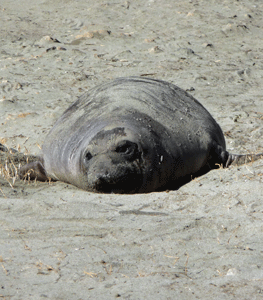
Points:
x=101 y=161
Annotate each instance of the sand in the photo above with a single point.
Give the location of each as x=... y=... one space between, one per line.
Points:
x=203 y=241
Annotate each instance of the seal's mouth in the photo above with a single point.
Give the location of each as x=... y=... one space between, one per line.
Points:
x=128 y=183
x=122 y=178
x=107 y=177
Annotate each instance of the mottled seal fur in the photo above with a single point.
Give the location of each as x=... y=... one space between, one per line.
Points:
x=131 y=135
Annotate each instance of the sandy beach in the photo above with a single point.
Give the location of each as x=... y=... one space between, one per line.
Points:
x=202 y=241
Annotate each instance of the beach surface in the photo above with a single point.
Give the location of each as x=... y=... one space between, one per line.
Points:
x=202 y=241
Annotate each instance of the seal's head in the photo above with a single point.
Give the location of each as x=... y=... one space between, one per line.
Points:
x=112 y=162
x=119 y=160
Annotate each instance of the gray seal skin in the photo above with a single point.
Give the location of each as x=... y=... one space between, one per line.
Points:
x=131 y=135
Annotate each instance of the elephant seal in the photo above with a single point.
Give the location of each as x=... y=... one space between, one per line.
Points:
x=131 y=135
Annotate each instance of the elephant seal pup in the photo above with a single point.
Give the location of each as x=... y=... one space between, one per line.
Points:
x=131 y=135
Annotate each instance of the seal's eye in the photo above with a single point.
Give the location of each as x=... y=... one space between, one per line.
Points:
x=88 y=156
x=128 y=148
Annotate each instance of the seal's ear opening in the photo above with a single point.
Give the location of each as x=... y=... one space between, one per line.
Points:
x=128 y=149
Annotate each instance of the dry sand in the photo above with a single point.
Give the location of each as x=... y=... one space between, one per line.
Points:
x=203 y=241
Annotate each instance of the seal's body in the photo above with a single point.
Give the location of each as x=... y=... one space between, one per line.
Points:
x=131 y=135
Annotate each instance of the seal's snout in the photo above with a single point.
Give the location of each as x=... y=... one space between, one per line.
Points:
x=127 y=183
x=116 y=171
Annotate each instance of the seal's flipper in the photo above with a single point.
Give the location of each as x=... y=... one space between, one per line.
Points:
x=220 y=157
x=3 y=148
x=34 y=170
x=237 y=160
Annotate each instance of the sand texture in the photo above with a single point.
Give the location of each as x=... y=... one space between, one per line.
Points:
x=203 y=241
